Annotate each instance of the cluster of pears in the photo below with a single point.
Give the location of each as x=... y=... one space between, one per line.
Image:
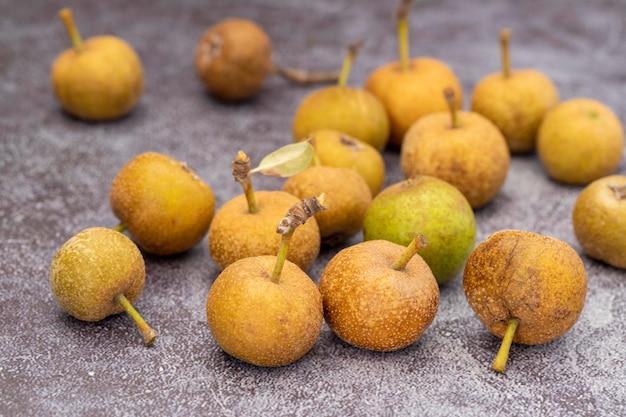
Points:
x=164 y=206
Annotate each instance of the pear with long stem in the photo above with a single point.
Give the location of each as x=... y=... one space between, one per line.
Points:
x=411 y=88
x=97 y=273
x=89 y=90
x=515 y=100
x=264 y=309
x=525 y=288
x=243 y=226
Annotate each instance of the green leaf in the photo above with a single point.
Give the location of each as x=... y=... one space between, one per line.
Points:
x=287 y=161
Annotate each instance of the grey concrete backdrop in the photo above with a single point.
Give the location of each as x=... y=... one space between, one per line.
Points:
x=55 y=173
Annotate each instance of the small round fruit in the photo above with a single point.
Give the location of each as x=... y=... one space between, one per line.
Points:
x=347 y=199
x=411 y=94
x=473 y=155
x=599 y=220
x=163 y=203
x=99 y=79
x=91 y=269
x=337 y=149
x=579 y=141
x=429 y=206
x=370 y=304
x=262 y=322
x=353 y=111
x=233 y=58
x=516 y=105
x=235 y=233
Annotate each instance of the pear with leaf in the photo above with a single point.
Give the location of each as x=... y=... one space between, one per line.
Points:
x=243 y=226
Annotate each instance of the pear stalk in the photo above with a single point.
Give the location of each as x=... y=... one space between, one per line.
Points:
x=417 y=244
x=307 y=77
x=120 y=228
x=241 y=174
x=403 y=34
x=499 y=364
x=66 y=16
x=449 y=95
x=296 y=216
x=149 y=334
x=505 y=34
x=353 y=51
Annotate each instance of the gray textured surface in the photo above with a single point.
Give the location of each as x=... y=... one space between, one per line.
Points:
x=54 y=179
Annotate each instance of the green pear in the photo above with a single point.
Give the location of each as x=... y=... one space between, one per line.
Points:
x=429 y=206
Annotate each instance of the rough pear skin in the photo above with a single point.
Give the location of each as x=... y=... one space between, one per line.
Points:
x=262 y=322
x=539 y=280
x=92 y=268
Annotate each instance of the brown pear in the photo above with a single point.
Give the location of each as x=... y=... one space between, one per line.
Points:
x=525 y=288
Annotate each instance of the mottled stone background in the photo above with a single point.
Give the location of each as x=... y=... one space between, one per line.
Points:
x=55 y=173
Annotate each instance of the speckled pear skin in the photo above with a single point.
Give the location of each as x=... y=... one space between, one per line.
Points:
x=599 y=220
x=473 y=156
x=166 y=207
x=262 y=322
x=537 y=279
x=92 y=268
x=347 y=199
x=370 y=305
x=516 y=104
x=579 y=141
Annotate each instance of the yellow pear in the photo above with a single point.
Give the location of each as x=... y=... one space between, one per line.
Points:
x=337 y=149
x=164 y=204
x=516 y=101
x=411 y=88
x=347 y=194
x=264 y=310
x=579 y=141
x=99 y=79
x=599 y=220
x=353 y=111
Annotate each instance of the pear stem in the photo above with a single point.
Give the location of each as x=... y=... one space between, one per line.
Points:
x=241 y=174
x=120 y=228
x=450 y=96
x=499 y=364
x=418 y=243
x=296 y=216
x=620 y=191
x=149 y=334
x=281 y=257
x=505 y=34
x=353 y=51
x=402 y=16
x=66 y=16
x=306 y=77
